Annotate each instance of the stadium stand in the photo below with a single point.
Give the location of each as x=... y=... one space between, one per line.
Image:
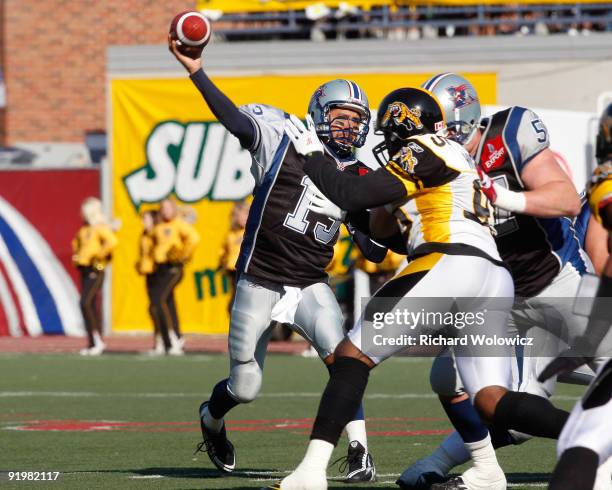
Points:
x=391 y=21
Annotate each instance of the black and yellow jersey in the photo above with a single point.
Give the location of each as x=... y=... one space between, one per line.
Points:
x=146 y=263
x=600 y=191
x=175 y=241
x=432 y=186
x=93 y=245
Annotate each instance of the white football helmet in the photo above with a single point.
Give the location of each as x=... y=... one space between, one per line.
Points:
x=460 y=104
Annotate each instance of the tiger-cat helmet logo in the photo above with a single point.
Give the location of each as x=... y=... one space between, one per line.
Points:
x=402 y=115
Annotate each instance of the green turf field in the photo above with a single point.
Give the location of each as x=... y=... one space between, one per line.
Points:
x=129 y=421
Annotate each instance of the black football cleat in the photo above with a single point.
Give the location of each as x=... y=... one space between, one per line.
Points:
x=219 y=449
x=455 y=483
x=358 y=464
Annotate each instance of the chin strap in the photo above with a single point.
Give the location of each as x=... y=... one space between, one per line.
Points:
x=341 y=161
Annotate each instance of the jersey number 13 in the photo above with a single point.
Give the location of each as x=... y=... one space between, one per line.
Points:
x=297 y=219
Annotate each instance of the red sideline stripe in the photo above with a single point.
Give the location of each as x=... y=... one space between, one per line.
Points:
x=16 y=302
x=401 y=433
x=238 y=426
x=4 y=329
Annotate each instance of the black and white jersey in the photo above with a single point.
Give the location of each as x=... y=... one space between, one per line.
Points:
x=284 y=241
x=535 y=249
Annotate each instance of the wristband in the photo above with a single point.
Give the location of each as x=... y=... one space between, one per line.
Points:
x=515 y=202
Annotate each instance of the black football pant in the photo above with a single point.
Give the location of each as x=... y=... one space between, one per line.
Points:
x=150 y=281
x=161 y=293
x=91 y=283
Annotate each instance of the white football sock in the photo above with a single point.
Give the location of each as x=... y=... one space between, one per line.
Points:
x=356 y=431
x=483 y=453
x=486 y=472
x=210 y=422
x=317 y=455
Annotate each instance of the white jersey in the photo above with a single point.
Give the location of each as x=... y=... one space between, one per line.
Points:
x=445 y=204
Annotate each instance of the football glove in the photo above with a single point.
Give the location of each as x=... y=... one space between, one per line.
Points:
x=499 y=196
x=320 y=204
x=304 y=138
x=486 y=185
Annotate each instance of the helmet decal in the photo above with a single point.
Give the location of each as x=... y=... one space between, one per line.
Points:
x=460 y=96
x=320 y=92
x=402 y=116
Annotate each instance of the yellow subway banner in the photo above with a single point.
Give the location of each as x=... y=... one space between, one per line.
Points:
x=165 y=142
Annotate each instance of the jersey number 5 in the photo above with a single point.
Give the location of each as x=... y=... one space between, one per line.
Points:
x=297 y=220
x=540 y=130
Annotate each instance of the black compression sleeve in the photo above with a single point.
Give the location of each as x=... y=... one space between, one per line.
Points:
x=396 y=243
x=359 y=220
x=353 y=192
x=225 y=110
x=374 y=252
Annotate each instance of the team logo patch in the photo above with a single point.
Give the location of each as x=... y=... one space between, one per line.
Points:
x=414 y=147
x=362 y=171
x=460 y=95
x=493 y=154
x=406 y=160
x=402 y=115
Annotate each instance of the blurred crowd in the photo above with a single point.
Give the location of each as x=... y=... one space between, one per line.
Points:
x=321 y=23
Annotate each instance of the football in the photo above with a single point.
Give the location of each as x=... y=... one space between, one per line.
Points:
x=192 y=31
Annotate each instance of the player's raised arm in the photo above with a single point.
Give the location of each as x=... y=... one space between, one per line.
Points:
x=235 y=121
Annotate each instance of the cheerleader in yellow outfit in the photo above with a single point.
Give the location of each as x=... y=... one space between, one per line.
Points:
x=92 y=248
x=146 y=267
x=175 y=241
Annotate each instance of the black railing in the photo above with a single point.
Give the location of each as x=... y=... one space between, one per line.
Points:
x=379 y=22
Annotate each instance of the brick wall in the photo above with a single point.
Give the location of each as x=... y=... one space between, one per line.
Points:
x=55 y=60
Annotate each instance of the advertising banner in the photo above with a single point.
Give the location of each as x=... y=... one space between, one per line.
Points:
x=39 y=216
